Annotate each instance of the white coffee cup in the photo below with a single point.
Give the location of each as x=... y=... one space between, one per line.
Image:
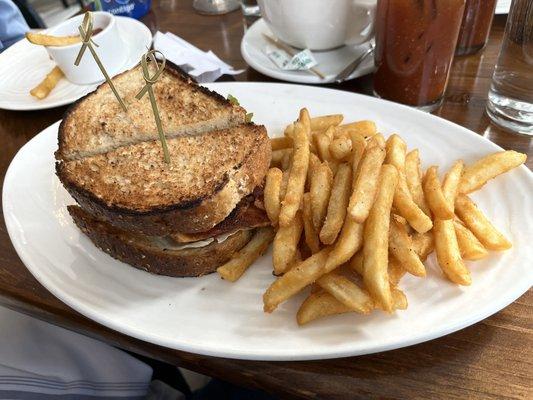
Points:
x=320 y=24
x=111 y=50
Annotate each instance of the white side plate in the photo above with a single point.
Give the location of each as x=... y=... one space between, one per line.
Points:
x=24 y=65
x=210 y=316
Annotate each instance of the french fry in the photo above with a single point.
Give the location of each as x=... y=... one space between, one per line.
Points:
x=280 y=143
x=413 y=177
x=358 y=149
x=338 y=202
x=50 y=40
x=366 y=183
x=294 y=280
x=311 y=235
x=356 y=263
x=403 y=202
x=318 y=305
x=364 y=129
x=283 y=186
x=289 y=130
x=44 y=88
x=314 y=164
x=321 y=304
x=322 y=144
x=401 y=247
x=395 y=270
x=469 y=246
x=347 y=292
x=277 y=157
x=240 y=261
x=340 y=148
x=348 y=243
x=438 y=204
x=376 y=234
x=320 y=191
x=285 y=244
x=448 y=253
x=272 y=194
x=297 y=176
x=324 y=122
x=489 y=167
x=423 y=244
x=479 y=224
x=450 y=185
x=286 y=161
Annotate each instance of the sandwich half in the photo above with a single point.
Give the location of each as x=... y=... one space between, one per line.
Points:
x=183 y=218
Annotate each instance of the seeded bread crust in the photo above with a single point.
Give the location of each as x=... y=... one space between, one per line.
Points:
x=196 y=213
x=96 y=124
x=139 y=252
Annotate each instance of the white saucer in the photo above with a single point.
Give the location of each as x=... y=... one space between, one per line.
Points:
x=24 y=65
x=330 y=63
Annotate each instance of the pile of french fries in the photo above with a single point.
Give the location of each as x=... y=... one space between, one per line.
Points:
x=353 y=213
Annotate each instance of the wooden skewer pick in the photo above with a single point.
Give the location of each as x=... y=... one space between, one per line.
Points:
x=150 y=80
x=86 y=32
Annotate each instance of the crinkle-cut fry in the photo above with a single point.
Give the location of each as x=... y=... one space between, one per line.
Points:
x=340 y=194
x=366 y=183
x=277 y=157
x=403 y=202
x=294 y=280
x=280 y=143
x=448 y=253
x=469 y=246
x=438 y=204
x=43 y=39
x=480 y=225
x=297 y=176
x=272 y=192
x=340 y=148
x=413 y=176
x=376 y=238
x=423 y=244
x=347 y=292
x=401 y=247
x=450 y=185
x=240 y=261
x=364 y=129
x=489 y=167
x=286 y=243
x=320 y=191
x=323 y=122
x=49 y=82
x=311 y=234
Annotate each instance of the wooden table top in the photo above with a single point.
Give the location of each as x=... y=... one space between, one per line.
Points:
x=491 y=359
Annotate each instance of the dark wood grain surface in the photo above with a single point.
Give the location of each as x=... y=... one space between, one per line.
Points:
x=491 y=359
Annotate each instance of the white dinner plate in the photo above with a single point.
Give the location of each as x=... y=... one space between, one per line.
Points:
x=210 y=316
x=330 y=63
x=24 y=65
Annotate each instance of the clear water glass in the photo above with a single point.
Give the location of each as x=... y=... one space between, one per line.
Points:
x=510 y=103
x=250 y=8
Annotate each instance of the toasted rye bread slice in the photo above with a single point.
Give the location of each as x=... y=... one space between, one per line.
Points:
x=146 y=254
x=133 y=188
x=97 y=124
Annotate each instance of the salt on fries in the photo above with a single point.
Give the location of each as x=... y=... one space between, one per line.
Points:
x=352 y=214
x=50 y=81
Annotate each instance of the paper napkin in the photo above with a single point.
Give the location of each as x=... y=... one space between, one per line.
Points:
x=204 y=66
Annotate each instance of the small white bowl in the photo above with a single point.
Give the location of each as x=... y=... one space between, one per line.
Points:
x=111 y=49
